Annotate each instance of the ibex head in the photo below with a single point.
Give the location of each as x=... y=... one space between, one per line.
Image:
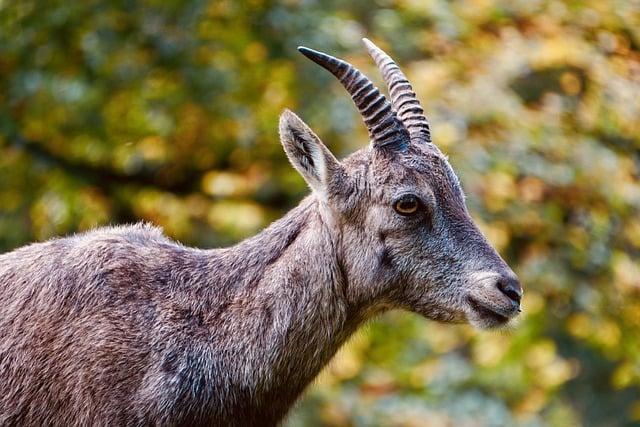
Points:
x=404 y=233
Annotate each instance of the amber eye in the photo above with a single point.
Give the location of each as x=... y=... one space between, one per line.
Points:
x=407 y=205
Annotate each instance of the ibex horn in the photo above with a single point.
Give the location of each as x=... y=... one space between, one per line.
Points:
x=385 y=129
x=403 y=98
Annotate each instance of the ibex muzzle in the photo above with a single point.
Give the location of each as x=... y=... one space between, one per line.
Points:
x=121 y=326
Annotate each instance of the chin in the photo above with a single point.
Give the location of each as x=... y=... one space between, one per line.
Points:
x=488 y=323
x=482 y=316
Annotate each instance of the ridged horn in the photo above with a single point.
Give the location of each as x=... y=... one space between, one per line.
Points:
x=385 y=129
x=403 y=98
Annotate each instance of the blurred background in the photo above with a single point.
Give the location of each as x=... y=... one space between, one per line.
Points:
x=166 y=111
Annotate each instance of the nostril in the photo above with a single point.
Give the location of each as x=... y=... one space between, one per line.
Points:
x=510 y=286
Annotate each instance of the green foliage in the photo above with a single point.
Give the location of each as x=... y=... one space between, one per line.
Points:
x=166 y=111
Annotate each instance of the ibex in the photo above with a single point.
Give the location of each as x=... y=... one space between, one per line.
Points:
x=122 y=326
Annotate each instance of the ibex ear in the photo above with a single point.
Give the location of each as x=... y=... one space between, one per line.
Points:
x=308 y=154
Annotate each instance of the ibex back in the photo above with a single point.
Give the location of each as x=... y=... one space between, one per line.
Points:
x=122 y=326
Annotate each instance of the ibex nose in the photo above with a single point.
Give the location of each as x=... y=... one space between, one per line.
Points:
x=510 y=286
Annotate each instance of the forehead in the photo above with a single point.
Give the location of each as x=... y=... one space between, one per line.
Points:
x=422 y=167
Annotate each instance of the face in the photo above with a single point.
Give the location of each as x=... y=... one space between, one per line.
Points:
x=403 y=231
x=417 y=247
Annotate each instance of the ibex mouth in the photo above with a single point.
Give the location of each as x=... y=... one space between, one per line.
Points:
x=488 y=317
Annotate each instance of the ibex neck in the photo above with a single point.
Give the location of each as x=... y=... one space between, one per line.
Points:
x=283 y=304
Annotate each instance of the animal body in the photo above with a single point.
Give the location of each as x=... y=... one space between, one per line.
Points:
x=122 y=326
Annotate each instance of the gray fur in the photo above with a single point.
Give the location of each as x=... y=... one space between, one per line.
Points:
x=122 y=326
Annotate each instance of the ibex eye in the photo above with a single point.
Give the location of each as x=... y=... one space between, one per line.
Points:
x=407 y=205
